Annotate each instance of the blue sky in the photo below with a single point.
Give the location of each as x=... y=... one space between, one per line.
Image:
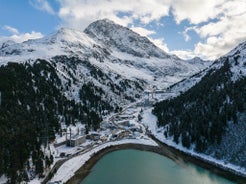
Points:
x=25 y=17
x=187 y=28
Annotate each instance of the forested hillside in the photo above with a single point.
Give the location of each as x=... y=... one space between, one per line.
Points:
x=199 y=117
x=32 y=108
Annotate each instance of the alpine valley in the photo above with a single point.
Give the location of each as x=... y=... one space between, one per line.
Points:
x=72 y=78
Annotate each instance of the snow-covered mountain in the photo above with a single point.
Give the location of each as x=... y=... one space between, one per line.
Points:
x=200 y=63
x=62 y=42
x=6 y=43
x=123 y=39
x=117 y=52
x=237 y=58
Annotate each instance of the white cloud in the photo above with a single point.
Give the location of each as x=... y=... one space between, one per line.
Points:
x=25 y=36
x=19 y=37
x=142 y=31
x=79 y=13
x=184 y=54
x=42 y=5
x=196 y=11
x=220 y=25
x=224 y=34
x=160 y=43
x=185 y=33
x=11 y=29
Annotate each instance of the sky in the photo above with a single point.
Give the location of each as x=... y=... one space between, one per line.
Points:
x=188 y=28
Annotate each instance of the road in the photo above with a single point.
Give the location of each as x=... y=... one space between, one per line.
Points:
x=111 y=119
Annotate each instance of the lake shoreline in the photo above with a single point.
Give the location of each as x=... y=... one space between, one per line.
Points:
x=176 y=155
x=215 y=168
x=86 y=168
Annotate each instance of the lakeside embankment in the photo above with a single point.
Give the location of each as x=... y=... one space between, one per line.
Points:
x=163 y=149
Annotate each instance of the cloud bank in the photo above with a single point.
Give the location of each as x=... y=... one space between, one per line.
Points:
x=42 y=5
x=219 y=24
x=18 y=37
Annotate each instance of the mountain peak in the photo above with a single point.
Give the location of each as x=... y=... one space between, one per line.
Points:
x=241 y=48
x=123 y=39
x=64 y=41
x=66 y=35
x=106 y=21
x=237 y=60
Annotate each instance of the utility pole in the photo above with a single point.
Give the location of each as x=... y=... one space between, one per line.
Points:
x=0 y=98
x=70 y=135
x=66 y=135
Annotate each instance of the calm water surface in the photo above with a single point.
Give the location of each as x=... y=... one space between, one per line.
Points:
x=140 y=167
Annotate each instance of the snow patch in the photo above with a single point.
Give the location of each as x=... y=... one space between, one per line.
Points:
x=3 y=179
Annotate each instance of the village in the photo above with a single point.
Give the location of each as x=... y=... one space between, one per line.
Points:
x=123 y=127
x=118 y=127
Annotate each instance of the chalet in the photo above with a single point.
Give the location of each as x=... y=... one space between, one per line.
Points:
x=103 y=138
x=93 y=136
x=76 y=140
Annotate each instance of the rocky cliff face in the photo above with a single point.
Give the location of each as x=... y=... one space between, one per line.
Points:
x=123 y=39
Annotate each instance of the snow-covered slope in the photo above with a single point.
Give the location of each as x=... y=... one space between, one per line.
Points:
x=6 y=43
x=198 y=62
x=116 y=55
x=62 y=42
x=209 y=116
x=237 y=58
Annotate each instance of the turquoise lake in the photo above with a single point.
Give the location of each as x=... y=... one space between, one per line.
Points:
x=141 y=167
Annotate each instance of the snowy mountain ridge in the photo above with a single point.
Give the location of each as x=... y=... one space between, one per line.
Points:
x=237 y=58
x=123 y=39
x=241 y=48
x=113 y=50
x=63 y=42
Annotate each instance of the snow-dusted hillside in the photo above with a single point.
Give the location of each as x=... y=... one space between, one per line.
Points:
x=62 y=42
x=119 y=61
x=237 y=60
x=209 y=116
x=199 y=62
x=237 y=57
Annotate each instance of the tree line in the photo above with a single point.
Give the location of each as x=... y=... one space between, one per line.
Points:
x=200 y=115
x=33 y=105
